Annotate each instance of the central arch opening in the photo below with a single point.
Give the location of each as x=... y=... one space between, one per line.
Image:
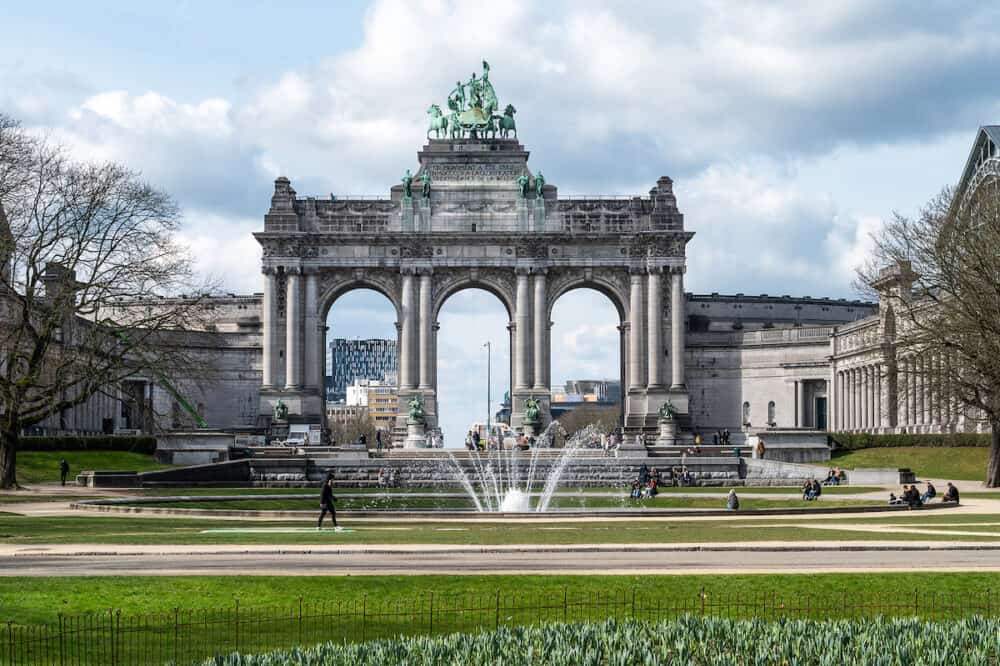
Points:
x=473 y=378
x=587 y=361
x=360 y=367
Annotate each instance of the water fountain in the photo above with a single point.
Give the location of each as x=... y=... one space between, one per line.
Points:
x=497 y=484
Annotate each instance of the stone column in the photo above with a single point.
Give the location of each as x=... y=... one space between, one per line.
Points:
x=654 y=322
x=635 y=379
x=856 y=401
x=865 y=397
x=677 y=319
x=522 y=331
x=922 y=389
x=911 y=386
x=407 y=355
x=426 y=330
x=541 y=331
x=878 y=397
x=269 y=318
x=311 y=321
x=293 y=329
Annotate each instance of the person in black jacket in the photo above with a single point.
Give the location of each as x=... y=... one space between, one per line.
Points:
x=951 y=494
x=326 y=502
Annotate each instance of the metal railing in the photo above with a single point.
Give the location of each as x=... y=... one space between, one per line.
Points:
x=186 y=636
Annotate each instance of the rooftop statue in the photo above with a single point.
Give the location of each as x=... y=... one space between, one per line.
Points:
x=522 y=184
x=539 y=184
x=473 y=108
x=407 y=185
x=425 y=179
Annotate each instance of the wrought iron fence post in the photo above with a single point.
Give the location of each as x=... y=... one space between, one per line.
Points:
x=111 y=634
x=364 y=615
x=237 y=624
x=916 y=602
x=10 y=639
x=430 y=628
x=62 y=646
x=989 y=606
x=497 y=616
x=177 y=628
x=565 y=604
x=300 y=620
x=702 y=595
x=633 y=603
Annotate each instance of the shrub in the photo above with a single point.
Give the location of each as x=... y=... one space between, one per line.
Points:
x=850 y=441
x=133 y=443
x=689 y=640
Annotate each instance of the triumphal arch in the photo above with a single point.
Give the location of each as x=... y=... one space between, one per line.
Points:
x=474 y=214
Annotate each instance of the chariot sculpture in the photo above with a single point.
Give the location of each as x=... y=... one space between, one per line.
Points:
x=473 y=107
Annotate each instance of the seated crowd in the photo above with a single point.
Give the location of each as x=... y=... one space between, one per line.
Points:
x=913 y=498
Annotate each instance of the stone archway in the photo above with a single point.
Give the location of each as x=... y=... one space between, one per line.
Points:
x=484 y=221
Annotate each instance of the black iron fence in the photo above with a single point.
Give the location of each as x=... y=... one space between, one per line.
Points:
x=185 y=636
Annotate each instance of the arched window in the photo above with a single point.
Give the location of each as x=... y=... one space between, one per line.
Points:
x=770 y=413
x=746 y=413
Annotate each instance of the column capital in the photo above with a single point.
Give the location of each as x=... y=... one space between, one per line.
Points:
x=407 y=270
x=425 y=271
x=269 y=270
x=539 y=271
x=636 y=272
x=657 y=270
x=522 y=270
x=293 y=270
x=678 y=270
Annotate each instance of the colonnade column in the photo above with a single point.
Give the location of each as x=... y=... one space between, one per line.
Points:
x=878 y=397
x=522 y=331
x=677 y=318
x=654 y=312
x=426 y=331
x=269 y=328
x=293 y=344
x=800 y=403
x=857 y=398
x=541 y=332
x=635 y=378
x=407 y=326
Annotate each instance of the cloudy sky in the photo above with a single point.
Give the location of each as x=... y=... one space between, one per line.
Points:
x=790 y=130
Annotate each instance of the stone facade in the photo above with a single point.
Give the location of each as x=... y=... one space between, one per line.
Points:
x=741 y=362
x=475 y=229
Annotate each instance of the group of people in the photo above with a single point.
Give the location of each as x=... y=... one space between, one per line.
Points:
x=835 y=477
x=387 y=477
x=811 y=490
x=646 y=484
x=610 y=445
x=719 y=438
x=681 y=476
x=913 y=498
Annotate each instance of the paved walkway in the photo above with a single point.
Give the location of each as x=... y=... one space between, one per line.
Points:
x=767 y=557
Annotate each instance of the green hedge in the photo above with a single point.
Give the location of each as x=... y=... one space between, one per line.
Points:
x=851 y=441
x=133 y=443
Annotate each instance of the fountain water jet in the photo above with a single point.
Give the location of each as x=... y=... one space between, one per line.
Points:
x=496 y=485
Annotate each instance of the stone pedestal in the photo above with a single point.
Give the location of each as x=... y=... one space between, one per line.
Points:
x=416 y=435
x=668 y=433
x=531 y=429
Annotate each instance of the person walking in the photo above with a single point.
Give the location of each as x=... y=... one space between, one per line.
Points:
x=363 y=440
x=378 y=442
x=326 y=502
x=63 y=470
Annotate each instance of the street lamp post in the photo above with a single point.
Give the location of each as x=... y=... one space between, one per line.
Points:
x=489 y=397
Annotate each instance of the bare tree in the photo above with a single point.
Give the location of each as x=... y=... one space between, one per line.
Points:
x=78 y=242
x=946 y=328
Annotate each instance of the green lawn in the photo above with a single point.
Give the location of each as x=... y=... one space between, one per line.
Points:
x=34 y=530
x=967 y=463
x=43 y=466
x=39 y=600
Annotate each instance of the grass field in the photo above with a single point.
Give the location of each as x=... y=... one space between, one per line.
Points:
x=40 y=600
x=43 y=466
x=936 y=463
x=24 y=531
